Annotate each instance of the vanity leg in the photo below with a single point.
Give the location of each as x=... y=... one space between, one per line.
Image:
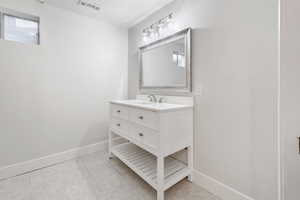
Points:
x=110 y=143
x=160 y=195
x=160 y=177
x=190 y=152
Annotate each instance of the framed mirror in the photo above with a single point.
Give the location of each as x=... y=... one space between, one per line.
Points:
x=165 y=65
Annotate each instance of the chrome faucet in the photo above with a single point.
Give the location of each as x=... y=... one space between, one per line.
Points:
x=152 y=98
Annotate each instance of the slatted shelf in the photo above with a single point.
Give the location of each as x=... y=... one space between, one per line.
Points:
x=145 y=164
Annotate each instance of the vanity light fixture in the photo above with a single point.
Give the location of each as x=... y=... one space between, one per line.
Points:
x=157 y=30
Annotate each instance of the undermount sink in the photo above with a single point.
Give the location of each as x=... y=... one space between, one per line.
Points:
x=142 y=102
x=151 y=105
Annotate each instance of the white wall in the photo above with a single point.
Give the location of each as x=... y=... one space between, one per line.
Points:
x=54 y=97
x=235 y=62
x=290 y=96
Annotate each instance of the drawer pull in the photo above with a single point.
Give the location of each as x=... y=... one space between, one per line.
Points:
x=119 y=125
x=141 y=134
x=141 y=117
x=119 y=111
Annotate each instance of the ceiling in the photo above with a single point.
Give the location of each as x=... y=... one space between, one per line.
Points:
x=120 y=12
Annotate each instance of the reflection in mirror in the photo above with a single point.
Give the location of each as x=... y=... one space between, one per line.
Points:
x=165 y=65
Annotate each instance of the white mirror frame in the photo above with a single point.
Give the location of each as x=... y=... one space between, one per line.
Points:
x=169 y=90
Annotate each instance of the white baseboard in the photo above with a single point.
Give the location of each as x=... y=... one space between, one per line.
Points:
x=220 y=189
x=24 y=167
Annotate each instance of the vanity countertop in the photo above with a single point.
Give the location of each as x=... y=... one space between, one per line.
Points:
x=150 y=105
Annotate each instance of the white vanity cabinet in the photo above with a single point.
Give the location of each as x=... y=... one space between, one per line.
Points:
x=154 y=132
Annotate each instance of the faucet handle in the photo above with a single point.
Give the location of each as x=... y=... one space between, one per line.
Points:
x=161 y=100
x=150 y=98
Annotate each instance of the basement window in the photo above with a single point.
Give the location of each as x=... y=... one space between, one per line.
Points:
x=19 y=27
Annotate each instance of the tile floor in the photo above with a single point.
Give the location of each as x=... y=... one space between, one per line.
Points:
x=92 y=177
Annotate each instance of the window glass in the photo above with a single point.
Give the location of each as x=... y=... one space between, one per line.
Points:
x=21 y=30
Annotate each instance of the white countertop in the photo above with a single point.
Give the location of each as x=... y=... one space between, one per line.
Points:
x=150 y=105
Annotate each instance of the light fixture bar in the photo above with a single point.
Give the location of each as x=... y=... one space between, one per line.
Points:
x=157 y=25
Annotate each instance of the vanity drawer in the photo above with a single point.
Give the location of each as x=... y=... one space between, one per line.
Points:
x=144 y=117
x=119 y=111
x=145 y=135
x=120 y=125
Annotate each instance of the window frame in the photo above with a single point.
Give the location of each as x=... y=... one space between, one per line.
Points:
x=12 y=13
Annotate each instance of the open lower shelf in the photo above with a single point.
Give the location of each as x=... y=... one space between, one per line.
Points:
x=145 y=165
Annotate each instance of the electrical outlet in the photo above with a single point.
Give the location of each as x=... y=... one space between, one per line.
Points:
x=198 y=90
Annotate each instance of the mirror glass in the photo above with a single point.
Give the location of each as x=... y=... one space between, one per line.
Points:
x=165 y=66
